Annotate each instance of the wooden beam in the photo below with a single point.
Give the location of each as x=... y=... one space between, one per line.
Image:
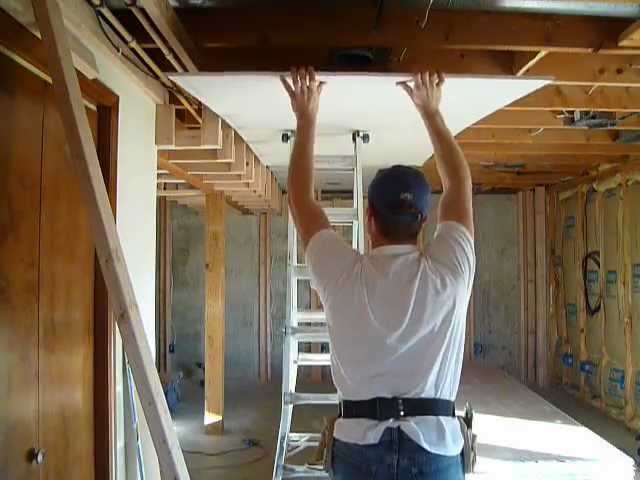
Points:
x=631 y=36
x=523 y=61
x=540 y=203
x=276 y=59
x=196 y=155
x=108 y=247
x=615 y=149
x=257 y=26
x=547 y=119
x=575 y=97
x=164 y=328
x=532 y=135
x=214 y=315
x=589 y=69
x=169 y=25
x=264 y=344
x=628 y=167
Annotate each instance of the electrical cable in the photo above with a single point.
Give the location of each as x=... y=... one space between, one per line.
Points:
x=121 y=53
x=249 y=444
x=593 y=257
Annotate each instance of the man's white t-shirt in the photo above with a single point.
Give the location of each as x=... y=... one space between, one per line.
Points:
x=396 y=322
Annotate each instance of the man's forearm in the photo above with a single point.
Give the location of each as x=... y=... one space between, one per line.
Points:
x=300 y=181
x=450 y=161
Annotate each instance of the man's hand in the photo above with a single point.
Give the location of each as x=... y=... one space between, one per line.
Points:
x=426 y=93
x=304 y=92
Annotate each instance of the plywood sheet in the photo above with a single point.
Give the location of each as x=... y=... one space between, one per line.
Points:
x=591 y=368
x=614 y=365
x=569 y=275
x=258 y=107
x=633 y=224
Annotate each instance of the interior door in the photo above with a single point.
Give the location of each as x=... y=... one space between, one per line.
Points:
x=66 y=311
x=47 y=271
x=20 y=154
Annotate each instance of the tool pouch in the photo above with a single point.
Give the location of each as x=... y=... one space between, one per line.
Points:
x=469 y=450
x=324 y=453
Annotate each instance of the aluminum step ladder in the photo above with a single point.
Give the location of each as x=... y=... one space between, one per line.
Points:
x=309 y=326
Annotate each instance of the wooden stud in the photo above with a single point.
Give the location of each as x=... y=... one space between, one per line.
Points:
x=552 y=289
x=211 y=129
x=165 y=294
x=625 y=292
x=581 y=248
x=264 y=344
x=541 y=287
x=522 y=254
x=108 y=247
x=214 y=317
x=531 y=285
x=165 y=125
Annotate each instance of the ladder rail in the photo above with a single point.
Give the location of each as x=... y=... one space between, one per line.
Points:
x=314 y=329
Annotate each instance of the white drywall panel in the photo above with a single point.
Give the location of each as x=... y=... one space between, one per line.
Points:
x=258 y=107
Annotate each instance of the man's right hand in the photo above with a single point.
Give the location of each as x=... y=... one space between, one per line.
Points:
x=426 y=92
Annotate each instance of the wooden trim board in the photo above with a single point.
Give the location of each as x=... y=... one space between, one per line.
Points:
x=108 y=247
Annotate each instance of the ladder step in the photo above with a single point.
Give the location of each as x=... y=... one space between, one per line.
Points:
x=303 y=471
x=314 y=359
x=334 y=162
x=309 y=334
x=311 y=316
x=341 y=215
x=297 y=398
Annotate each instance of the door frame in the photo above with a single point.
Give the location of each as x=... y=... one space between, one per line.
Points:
x=28 y=50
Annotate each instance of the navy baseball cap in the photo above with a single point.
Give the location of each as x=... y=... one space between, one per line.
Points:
x=400 y=193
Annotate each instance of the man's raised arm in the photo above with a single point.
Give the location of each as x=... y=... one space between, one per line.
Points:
x=304 y=92
x=456 y=200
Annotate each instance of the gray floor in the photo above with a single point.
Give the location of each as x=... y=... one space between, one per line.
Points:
x=520 y=434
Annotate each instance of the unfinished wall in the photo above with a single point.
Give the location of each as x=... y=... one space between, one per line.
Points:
x=242 y=277
x=496 y=290
x=606 y=352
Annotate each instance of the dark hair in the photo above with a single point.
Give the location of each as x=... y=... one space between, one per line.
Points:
x=401 y=226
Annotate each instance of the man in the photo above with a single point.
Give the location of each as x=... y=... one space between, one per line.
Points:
x=396 y=318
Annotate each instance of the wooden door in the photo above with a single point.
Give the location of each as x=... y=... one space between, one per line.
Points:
x=47 y=272
x=66 y=312
x=20 y=160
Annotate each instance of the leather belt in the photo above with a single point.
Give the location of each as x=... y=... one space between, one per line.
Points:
x=385 y=408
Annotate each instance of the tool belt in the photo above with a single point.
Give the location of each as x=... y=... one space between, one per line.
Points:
x=381 y=408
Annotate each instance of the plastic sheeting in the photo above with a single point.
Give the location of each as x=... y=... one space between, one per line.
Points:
x=633 y=224
x=591 y=367
x=570 y=359
x=614 y=364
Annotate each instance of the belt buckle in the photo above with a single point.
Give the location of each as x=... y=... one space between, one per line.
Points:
x=400 y=406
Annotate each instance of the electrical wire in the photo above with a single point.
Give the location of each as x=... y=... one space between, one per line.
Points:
x=121 y=52
x=592 y=256
x=249 y=444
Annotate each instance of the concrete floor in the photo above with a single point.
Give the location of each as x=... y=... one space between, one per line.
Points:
x=520 y=434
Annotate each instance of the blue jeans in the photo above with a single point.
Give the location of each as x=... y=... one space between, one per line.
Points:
x=394 y=457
